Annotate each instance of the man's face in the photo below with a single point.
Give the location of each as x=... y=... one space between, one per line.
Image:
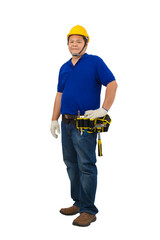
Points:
x=76 y=44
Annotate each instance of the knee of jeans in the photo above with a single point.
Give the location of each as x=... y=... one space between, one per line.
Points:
x=69 y=163
x=88 y=168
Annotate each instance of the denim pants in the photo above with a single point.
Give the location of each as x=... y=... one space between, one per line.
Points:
x=80 y=158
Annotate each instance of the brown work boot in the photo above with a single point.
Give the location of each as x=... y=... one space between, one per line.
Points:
x=84 y=219
x=70 y=211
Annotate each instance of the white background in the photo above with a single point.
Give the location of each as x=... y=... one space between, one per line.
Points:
x=33 y=179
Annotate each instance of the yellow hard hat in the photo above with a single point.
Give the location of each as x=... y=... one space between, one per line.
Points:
x=78 y=30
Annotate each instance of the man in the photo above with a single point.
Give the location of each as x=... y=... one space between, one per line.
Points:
x=78 y=92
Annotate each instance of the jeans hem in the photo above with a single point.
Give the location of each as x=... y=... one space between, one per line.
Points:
x=75 y=205
x=86 y=211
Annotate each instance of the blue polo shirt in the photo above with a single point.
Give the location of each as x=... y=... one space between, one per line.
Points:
x=81 y=84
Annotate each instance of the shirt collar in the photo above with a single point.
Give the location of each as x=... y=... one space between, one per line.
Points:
x=85 y=55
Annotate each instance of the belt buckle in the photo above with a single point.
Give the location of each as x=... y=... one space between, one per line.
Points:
x=69 y=117
x=66 y=116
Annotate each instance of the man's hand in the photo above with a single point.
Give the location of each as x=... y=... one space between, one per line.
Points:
x=92 y=114
x=54 y=127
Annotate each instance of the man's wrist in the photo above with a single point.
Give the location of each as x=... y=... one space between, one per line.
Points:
x=105 y=109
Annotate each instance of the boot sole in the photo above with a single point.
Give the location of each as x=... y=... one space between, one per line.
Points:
x=84 y=225
x=71 y=214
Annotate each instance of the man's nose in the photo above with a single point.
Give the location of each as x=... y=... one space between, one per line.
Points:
x=74 y=44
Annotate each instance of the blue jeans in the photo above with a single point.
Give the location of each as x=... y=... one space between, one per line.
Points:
x=80 y=158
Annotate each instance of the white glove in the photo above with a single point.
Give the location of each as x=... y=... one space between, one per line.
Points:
x=54 y=127
x=92 y=114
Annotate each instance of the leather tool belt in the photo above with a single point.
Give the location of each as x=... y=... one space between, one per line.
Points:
x=93 y=125
x=86 y=125
x=97 y=125
x=89 y=125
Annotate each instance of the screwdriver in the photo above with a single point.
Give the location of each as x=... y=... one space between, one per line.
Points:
x=99 y=145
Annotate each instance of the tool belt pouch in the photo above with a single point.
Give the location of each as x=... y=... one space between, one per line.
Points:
x=93 y=125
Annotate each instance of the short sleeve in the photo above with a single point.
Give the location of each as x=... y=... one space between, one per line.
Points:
x=59 y=85
x=104 y=74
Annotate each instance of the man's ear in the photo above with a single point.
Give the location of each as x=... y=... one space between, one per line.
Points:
x=86 y=45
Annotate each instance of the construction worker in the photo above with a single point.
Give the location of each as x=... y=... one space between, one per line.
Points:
x=78 y=93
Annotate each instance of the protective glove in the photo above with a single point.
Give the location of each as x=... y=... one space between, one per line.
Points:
x=100 y=112
x=54 y=127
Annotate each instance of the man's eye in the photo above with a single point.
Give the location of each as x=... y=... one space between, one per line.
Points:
x=73 y=42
